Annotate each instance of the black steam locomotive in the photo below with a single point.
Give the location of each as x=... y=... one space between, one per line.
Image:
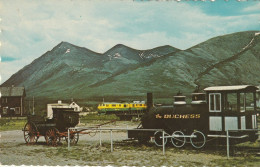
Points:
x=209 y=116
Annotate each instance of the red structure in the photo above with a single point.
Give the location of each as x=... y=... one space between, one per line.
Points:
x=12 y=101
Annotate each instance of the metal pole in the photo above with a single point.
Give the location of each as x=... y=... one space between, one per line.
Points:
x=68 y=138
x=100 y=137
x=111 y=140
x=163 y=142
x=33 y=105
x=227 y=144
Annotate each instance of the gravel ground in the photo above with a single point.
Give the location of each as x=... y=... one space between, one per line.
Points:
x=14 y=151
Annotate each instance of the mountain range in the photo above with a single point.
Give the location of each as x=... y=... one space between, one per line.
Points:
x=68 y=71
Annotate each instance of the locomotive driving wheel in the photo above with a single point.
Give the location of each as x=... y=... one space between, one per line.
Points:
x=30 y=133
x=198 y=140
x=178 y=139
x=52 y=136
x=74 y=137
x=158 y=138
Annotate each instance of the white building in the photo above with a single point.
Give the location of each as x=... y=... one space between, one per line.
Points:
x=60 y=105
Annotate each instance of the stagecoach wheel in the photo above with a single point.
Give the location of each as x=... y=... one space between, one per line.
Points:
x=74 y=137
x=158 y=138
x=198 y=139
x=30 y=133
x=178 y=139
x=51 y=137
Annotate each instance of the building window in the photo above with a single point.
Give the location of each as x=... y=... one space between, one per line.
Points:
x=4 y=100
x=17 y=110
x=5 y=110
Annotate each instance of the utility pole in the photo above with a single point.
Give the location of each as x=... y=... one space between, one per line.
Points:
x=33 y=105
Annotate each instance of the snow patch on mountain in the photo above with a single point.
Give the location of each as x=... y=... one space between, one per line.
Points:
x=67 y=51
x=149 y=56
x=115 y=56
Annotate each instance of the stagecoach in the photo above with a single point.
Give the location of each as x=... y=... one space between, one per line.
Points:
x=53 y=129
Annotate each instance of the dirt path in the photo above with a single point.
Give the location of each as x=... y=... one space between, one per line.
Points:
x=14 y=151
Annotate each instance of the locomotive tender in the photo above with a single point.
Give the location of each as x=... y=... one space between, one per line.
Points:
x=209 y=116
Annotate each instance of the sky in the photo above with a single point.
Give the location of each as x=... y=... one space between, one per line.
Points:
x=29 y=28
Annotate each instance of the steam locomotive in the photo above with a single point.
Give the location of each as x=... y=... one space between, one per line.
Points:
x=209 y=116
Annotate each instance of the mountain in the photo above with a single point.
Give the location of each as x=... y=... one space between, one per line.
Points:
x=69 y=71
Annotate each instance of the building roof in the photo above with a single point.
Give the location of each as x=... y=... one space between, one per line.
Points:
x=12 y=91
x=58 y=104
x=231 y=88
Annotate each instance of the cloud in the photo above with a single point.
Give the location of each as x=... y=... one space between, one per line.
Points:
x=253 y=8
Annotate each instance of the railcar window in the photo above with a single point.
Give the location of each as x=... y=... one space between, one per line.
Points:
x=211 y=102
x=249 y=102
x=231 y=102
x=242 y=102
x=215 y=102
x=217 y=99
x=124 y=105
x=113 y=105
x=258 y=99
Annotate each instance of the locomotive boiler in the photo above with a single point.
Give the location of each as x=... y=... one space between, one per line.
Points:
x=209 y=116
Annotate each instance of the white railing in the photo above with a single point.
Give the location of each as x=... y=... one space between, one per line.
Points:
x=81 y=129
x=237 y=137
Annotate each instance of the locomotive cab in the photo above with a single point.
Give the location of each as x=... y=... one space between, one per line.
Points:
x=232 y=108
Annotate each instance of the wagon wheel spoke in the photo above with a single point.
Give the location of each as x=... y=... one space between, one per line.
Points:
x=51 y=137
x=74 y=137
x=30 y=133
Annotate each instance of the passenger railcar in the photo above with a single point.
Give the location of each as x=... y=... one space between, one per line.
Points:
x=209 y=116
x=136 y=108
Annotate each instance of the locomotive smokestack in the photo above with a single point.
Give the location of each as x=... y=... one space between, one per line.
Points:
x=149 y=101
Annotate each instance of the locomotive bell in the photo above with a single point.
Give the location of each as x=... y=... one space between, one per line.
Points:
x=179 y=100
x=198 y=98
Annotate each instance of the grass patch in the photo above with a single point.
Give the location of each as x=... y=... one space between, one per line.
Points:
x=241 y=161
x=7 y=124
x=99 y=117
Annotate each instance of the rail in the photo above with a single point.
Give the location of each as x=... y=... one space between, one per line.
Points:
x=81 y=129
